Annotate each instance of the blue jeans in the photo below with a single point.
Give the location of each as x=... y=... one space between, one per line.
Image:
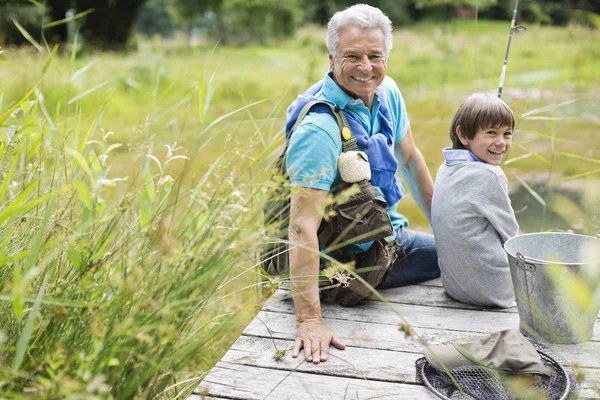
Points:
x=417 y=260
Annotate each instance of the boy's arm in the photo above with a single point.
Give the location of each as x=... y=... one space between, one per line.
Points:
x=495 y=206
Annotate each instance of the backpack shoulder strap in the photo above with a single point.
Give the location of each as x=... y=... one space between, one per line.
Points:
x=348 y=139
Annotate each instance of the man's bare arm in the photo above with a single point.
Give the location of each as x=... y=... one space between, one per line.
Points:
x=415 y=173
x=305 y=217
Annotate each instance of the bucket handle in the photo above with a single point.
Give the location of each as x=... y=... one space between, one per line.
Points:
x=524 y=265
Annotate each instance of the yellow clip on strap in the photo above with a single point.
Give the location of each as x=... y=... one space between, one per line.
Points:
x=346 y=133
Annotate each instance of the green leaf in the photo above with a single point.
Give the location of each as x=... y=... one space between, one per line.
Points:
x=112 y=147
x=75 y=258
x=28 y=328
x=27 y=36
x=150 y=189
x=83 y=192
x=145 y=210
x=26 y=106
x=95 y=163
x=79 y=159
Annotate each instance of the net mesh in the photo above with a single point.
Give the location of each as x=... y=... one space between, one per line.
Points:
x=480 y=383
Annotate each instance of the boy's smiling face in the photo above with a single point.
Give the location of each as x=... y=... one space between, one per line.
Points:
x=489 y=144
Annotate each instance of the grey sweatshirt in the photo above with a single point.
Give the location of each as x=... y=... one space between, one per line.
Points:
x=472 y=217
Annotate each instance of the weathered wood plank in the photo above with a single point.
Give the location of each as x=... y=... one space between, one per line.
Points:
x=433 y=282
x=416 y=315
x=429 y=296
x=248 y=383
x=424 y=295
x=420 y=316
x=388 y=337
x=353 y=333
x=354 y=362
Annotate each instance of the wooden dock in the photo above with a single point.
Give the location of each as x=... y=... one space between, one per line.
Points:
x=379 y=360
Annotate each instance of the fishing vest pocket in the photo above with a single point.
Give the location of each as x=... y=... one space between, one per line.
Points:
x=363 y=218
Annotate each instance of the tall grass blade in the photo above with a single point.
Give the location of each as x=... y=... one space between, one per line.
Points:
x=550 y=107
x=16 y=105
x=532 y=192
x=40 y=102
x=37 y=4
x=7 y=178
x=15 y=209
x=50 y=59
x=229 y=114
x=81 y=71
x=521 y=157
x=268 y=150
x=53 y=302
x=91 y=129
x=73 y=51
x=89 y=91
x=19 y=282
x=201 y=97
x=28 y=328
x=536 y=155
x=577 y=157
x=576 y=176
x=541 y=135
x=27 y=36
x=68 y=19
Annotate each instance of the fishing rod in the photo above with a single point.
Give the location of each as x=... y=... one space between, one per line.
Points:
x=513 y=27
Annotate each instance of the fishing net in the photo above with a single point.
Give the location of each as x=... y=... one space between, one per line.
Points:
x=481 y=383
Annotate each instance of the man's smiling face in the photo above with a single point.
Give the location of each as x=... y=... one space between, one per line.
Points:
x=360 y=63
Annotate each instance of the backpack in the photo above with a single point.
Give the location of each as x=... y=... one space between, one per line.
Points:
x=363 y=218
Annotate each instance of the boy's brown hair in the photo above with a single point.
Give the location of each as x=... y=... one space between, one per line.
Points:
x=480 y=110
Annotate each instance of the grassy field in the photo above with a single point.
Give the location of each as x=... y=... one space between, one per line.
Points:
x=131 y=183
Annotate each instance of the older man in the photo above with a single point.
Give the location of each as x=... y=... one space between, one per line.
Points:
x=359 y=40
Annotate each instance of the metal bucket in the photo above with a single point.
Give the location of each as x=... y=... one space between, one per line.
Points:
x=556 y=285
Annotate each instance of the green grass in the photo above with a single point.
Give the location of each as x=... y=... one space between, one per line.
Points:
x=135 y=287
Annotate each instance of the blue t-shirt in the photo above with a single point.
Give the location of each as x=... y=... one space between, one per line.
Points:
x=316 y=144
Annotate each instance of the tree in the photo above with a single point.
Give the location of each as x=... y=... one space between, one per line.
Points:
x=108 y=26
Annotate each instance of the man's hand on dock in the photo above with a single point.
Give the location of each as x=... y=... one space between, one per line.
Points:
x=315 y=338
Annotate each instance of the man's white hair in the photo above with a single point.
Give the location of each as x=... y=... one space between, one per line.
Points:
x=360 y=15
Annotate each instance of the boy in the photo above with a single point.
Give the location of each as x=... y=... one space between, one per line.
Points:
x=471 y=215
